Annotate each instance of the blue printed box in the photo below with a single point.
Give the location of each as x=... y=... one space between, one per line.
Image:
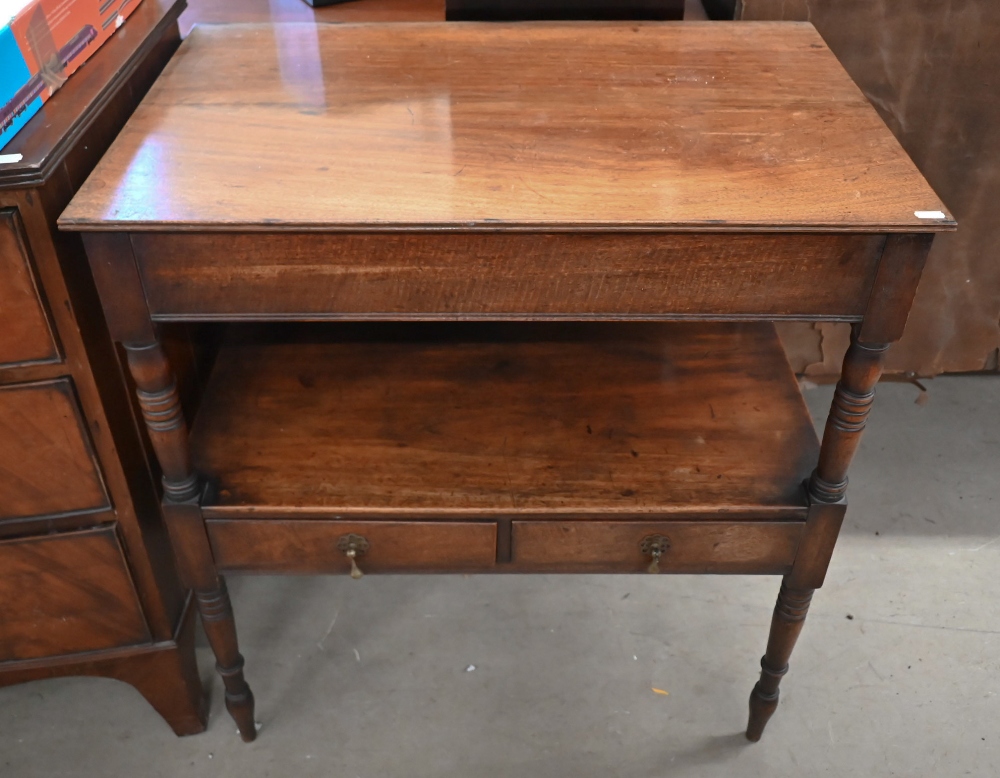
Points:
x=41 y=43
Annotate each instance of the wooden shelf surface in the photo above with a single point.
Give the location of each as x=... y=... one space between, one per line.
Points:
x=484 y=420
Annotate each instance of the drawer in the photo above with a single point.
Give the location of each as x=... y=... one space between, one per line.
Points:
x=66 y=593
x=311 y=546
x=693 y=546
x=25 y=333
x=47 y=465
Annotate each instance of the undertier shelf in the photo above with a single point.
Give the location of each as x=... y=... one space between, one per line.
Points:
x=430 y=421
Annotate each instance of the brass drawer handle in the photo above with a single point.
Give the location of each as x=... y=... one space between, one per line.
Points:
x=654 y=546
x=353 y=546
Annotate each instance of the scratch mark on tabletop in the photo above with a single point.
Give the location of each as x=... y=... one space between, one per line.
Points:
x=529 y=186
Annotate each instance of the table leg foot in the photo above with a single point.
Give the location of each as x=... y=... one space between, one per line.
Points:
x=786 y=624
x=220 y=627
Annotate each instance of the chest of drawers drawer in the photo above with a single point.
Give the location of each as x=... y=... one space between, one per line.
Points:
x=47 y=465
x=25 y=332
x=66 y=593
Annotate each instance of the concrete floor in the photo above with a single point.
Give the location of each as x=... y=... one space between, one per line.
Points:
x=376 y=678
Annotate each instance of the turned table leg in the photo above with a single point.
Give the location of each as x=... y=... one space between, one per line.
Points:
x=112 y=261
x=885 y=317
x=220 y=627
x=161 y=410
x=827 y=492
x=786 y=624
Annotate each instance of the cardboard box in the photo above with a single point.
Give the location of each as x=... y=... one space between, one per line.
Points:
x=42 y=42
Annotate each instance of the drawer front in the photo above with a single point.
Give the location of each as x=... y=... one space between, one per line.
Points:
x=66 y=593
x=310 y=546
x=497 y=275
x=25 y=333
x=616 y=547
x=47 y=465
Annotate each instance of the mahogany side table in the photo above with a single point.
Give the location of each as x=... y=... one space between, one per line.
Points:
x=501 y=298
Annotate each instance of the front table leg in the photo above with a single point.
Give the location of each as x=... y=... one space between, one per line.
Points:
x=827 y=490
x=161 y=410
x=220 y=627
x=786 y=624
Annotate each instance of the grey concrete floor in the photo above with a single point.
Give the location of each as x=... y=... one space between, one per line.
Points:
x=375 y=678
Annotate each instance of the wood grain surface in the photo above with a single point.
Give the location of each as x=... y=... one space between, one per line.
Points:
x=481 y=126
x=47 y=465
x=486 y=420
x=284 y=11
x=471 y=275
x=614 y=547
x=310 y=547
x=25 y=330
x=66 y=593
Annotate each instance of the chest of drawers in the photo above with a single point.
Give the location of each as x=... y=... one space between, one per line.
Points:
x=88 y=584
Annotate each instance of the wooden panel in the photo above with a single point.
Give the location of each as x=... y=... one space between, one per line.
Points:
x=614 y=547
x=311 y=546
x=46 y=463
x=940 y=102
x=482 y=275
x=576 y=126
x=522 y=10
x=62 y=594
x=485 y=420
x=25 y=333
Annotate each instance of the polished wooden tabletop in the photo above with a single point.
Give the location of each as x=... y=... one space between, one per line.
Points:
x=720 y=126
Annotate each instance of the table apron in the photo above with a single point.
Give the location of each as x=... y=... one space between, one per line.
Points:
x=386 y=275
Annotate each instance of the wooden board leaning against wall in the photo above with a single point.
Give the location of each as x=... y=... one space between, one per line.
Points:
x=932 y=70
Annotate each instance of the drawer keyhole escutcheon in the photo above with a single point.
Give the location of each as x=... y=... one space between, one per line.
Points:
x=353 y=546
x=654 y=546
